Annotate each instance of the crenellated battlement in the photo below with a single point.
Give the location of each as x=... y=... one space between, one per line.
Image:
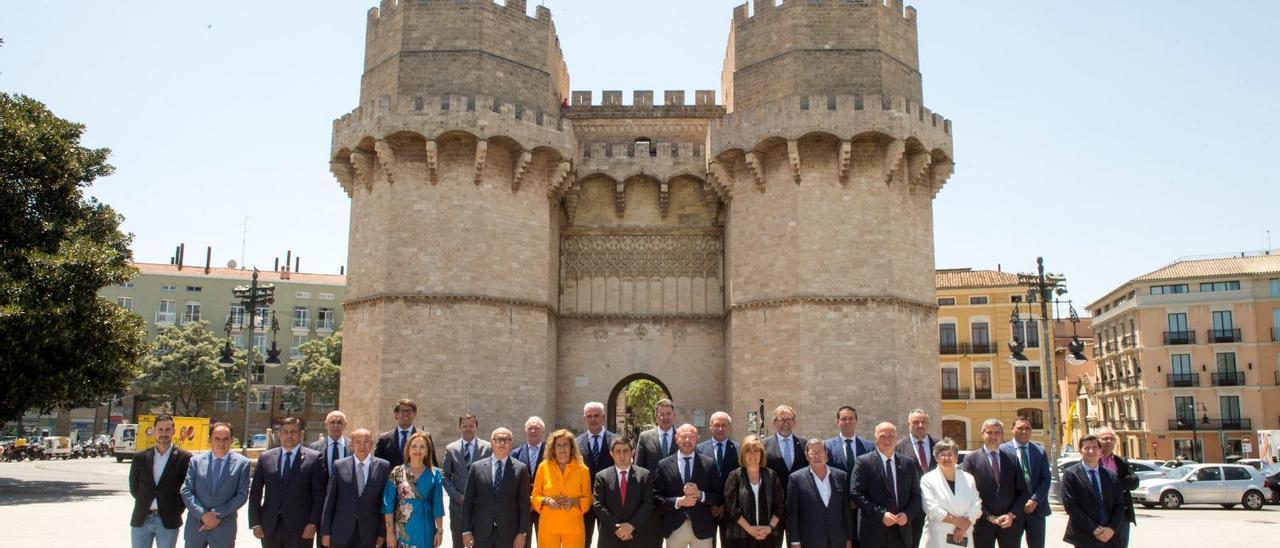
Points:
x=842 y=115
x=673 y=105
x=388 y=8
x=767 y=8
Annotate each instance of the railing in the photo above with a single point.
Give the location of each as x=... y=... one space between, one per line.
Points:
x=1228 y=378
x=986 y=347
x=1224 y=335
x=1129 y=382
x=1184 y=379
x=948 y=349
x=1179 y=337
x=1231 y=423
x=955 y=394
x=1128 y=342
x=324 y=325
x=981 y=393
x=1111 y=346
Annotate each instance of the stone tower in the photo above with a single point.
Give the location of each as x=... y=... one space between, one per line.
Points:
x=510 y=257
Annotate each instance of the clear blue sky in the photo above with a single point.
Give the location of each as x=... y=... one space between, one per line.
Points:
x=1110 y=137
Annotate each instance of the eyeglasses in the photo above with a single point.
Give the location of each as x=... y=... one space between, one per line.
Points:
x=501 y=440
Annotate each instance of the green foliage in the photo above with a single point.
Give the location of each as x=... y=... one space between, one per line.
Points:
x=184 y=372
x=319 y=369
x=61 y=345
x=641 y=395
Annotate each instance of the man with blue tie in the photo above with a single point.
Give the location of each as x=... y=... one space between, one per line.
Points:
x=531 y=455
x=1035 y=470
x=333 y=445
x=352 y=515
x=1001 y=487
x=724 y=452
x=844 y=449
x=458 y=457
x=217 y=485
x=1093 y=499
x=292 y=478
x=595 y=444
x=685 y=487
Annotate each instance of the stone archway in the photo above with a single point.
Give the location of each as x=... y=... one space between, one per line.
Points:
x=616 y=406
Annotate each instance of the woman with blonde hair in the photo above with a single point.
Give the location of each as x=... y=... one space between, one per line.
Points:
x=753 y=500
x=413 y=499
x=561 y=493
x=951 y=501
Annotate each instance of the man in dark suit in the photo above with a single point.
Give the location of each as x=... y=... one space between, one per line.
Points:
x=293 y=480
x=333 y=445
x=784 y=451
x=1093 y=499
x=352 y=516
x=886 y=490
x=685 y=487
x=725 y=452
x=458 y=457
x=655 y=444
x=844 y=449
x=531 y=455
x=1002 y=488
x=1035 y=473
x=391 y=443
x=1119 y=466
x=622 y=499
x=919 y=446
x=495 y=505
x=594 y=444
x=155 y=479
x=818 y=512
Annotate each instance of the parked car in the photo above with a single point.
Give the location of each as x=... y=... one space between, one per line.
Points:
x=1271 y=477
x=1224 y=484
x=1147 y=469
x=1255 y=463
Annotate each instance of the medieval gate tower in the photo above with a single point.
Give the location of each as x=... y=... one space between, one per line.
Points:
x=512 y=257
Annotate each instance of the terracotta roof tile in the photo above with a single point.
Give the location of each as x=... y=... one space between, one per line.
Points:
x=1209 y=268
x=960 y=278
x=240 y=274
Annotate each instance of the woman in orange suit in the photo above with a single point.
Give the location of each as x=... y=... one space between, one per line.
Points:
x=561 y=493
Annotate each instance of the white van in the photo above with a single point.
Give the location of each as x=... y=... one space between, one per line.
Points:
x=124 y=442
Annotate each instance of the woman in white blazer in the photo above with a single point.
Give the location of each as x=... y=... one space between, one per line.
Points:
x=951 y=502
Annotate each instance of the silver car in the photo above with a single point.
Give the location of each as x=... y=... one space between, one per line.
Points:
x=1224 y=484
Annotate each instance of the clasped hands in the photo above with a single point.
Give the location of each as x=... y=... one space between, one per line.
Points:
x=1104 y=534
x=691 y=496
x=891 y=519
x=560 y=502
x=1004 y=521
x=209 y=521
x=624 y=531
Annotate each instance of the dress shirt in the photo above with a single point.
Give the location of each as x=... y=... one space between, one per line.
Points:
x=670 y=436
x=368 y=462
x=328 y=448
x=402 y=434
x=496 y=465
x=1109 y=462
x=928 y=451
x=680 y=463
x=157 y=468
x=824 y=486
x=286 y=458
x=893 y=471
x=787 y=448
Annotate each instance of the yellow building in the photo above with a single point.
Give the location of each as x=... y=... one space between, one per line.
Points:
x=980 y=380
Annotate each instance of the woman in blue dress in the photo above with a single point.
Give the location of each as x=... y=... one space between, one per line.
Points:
x=413 y=501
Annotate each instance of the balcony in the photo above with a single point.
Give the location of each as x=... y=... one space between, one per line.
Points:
x=955 y=394
x=981 y=393
x=1230 y=423
x=1228 y=378
x=1129 y=382
x=1179 y=337
x=1128 y=342
x=984 y=347
x=1224 y=335
x=948 y=349
x=1184 y=379
x=1111 y=346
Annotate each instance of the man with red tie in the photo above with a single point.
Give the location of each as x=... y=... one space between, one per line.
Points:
x=918 y=444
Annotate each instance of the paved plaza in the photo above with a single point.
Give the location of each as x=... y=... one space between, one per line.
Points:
x=87 y=503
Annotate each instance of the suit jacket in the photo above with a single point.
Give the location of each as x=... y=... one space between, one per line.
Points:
x=649 y=448
x=456 y=466
x=1085 y=511
x=1128 y=482
x=904 y=446
x=165 y=493
x=495 y=517
x=871 y=493
x=835 y=452
x=813 y=523
x=602 y=460
x=668 y=486
x=708 y=448
x=530 y=458
x=200 y=496
x=1038 y=488
x=740 y=502
x=612 y=512
x=350 y=516
x=940 y=501
x=297 y=499
x=775 y=462
x=1008 y=494
x=388 y=447
x=322 y=445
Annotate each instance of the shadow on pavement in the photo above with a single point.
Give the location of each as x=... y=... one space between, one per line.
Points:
x=15 y=492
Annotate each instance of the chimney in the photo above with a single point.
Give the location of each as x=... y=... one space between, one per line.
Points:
x=297 y=264
x=208 y=256
x=182 y=254
x=342 y=270
x=277 y=267
x=288 y=258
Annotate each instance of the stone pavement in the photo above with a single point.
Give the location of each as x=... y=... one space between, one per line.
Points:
x=87 y=503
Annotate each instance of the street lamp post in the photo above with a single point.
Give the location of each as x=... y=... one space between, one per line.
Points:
x=1043 y=287
x=250 y=297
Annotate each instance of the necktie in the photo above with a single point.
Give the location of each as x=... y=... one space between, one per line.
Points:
x=360 y=479
x=466 y=451
x=595 y=447
x=1026 y=465
x=497 y=477
x=333 y=453
x=623 y=488
x=891 y=486
x=688 y=469
x=848 y=454
x=786 y=452
x=404 y=434
x=288 y=463
x=1097 y=489
x=666 y=449
x=720 y=457
x=995 y=465
x=217 y=473
x=924 y=459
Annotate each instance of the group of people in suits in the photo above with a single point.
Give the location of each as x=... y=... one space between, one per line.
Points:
x=666 y=486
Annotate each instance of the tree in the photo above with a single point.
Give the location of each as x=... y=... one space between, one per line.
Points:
x=184 y=372
x=642 y=394
x=61 y=345
x=319 y=369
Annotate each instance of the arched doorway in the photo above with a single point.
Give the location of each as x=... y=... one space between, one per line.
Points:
x=630 y=405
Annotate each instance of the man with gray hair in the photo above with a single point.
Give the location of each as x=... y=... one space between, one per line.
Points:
x=918 y=445
x=594 y=444
x=333 y=445
x=531 y=454
x=1001 y=487
x=724 y=452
